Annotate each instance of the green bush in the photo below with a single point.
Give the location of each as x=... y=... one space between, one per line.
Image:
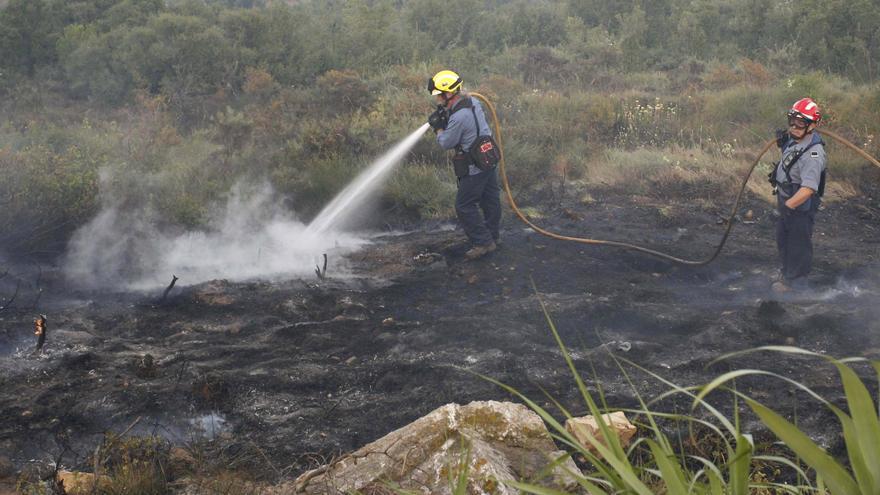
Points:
x=313 y=183
x=426 y=191
x=48 y=194
x=342 y=91
x=741 y=112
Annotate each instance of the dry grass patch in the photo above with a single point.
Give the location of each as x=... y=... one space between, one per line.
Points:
x=665 y=173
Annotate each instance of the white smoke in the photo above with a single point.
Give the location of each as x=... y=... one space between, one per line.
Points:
x=252 y=237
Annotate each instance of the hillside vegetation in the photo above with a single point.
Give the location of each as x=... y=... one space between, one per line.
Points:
x=166 y=105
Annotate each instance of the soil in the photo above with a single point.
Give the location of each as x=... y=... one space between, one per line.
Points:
x=306 y=369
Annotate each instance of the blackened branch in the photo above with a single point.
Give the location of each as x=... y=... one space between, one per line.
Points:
x=322 y=272
x=174 y=280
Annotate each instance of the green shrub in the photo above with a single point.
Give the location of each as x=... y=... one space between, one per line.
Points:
x=342 y=91
x=425 y=190
x=312 y=183
x=48 y=194
x=134 y=465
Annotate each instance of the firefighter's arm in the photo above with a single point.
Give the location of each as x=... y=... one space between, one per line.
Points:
x=451 y=136
x=799 y=197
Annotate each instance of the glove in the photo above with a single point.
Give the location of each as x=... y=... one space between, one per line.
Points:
x=781 y=137
x=438 y=119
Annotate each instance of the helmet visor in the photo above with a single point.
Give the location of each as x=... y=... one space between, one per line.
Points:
x=798 y=122
x=432 y=88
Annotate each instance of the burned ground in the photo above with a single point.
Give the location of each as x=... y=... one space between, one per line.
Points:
x=305 y=369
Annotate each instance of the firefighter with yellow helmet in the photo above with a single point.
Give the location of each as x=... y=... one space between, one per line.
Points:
x=460 y=124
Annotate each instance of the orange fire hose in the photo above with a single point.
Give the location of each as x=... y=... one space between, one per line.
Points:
x=634 y=247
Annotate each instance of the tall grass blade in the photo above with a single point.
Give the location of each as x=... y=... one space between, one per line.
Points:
x=658 y=435
x=780 y=488
x=671 y=472
x=464 y=463
x=677 y=389
x=740 y=466
x=865 y=423
x=876 y=366
x=772 y=348
x=838 y=479
x=713 y=474
x=721 y=380
x=613 y=441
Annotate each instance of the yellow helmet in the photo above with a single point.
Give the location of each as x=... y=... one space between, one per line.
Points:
x=444 y=81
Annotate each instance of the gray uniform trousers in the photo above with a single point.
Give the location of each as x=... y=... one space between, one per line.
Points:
x=794 y=238
x=479 y=192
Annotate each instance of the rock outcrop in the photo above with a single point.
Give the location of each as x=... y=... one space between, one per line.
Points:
x=491 y=442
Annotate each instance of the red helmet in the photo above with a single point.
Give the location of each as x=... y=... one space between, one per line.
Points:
x=806 y=109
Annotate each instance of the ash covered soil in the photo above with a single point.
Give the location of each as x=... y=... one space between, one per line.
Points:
x=305 y=369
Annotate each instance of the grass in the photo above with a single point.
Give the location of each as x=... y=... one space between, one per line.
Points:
x=668 y=172
x=860 y=426
x=656 y=464
x=614 y=467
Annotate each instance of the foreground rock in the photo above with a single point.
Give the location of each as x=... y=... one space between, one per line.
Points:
x=584 y=427
x=498 y=441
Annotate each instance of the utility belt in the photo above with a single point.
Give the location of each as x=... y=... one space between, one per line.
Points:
x=461 y=164
x=788 y=189
x=462 y=161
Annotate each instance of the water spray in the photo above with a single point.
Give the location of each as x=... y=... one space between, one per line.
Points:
x=634 y=247
x=345 y=203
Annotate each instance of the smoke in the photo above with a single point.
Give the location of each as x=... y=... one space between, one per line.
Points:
x=251 y=237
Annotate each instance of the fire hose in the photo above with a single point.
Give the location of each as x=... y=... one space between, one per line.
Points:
x=635 y=247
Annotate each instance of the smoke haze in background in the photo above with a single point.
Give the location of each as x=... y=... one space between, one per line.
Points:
x=252 y=237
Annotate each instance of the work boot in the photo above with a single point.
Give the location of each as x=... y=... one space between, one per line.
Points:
x=478 y=251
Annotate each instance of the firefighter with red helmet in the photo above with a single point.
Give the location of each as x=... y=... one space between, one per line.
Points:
x=798 y=182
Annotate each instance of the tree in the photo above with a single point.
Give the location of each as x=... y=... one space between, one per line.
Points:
x=633 y=38
x=182 y=54
x=90 y=65
x=29 y=30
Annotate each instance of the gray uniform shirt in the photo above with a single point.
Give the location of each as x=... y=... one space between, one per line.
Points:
x=461 y=129
x=807 y=171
